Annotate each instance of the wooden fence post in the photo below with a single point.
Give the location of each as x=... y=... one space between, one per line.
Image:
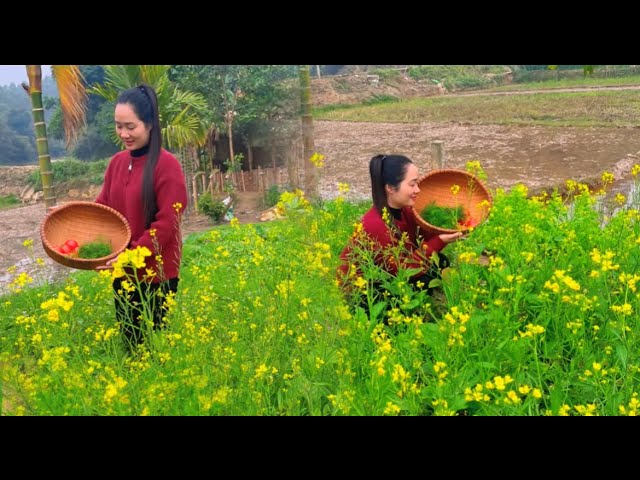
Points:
x=437 y=154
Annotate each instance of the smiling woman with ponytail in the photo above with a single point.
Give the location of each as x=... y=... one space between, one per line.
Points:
x=145 y=183
x=390 y=224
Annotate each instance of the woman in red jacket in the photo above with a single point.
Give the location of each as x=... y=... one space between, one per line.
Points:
x=390 y=226
x=145 y=183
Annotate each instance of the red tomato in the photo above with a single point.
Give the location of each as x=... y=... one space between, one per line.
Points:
x=59 y=249
x=72 y=244
x=65 y=249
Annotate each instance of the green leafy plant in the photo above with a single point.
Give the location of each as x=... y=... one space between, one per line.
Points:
x=97 y=249
x=272 y=196
x=443 y=217
x=9 y=200
x=70 y=170
x=212 y=208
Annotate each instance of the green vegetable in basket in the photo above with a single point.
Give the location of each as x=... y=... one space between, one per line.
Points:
x=96 y=249
x=443 y=217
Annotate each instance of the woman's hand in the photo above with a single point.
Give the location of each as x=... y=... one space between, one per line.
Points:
x=108 y=265
x=451 y=237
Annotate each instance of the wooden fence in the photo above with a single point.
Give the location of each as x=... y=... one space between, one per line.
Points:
x=256 y=180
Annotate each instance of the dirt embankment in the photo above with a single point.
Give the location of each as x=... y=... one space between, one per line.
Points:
x=352 y=89
x=538 y=157
x=14 y=179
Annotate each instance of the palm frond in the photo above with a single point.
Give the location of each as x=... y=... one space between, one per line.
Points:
x=187 y=131
x=73 y=98
x=194 y=100
x=108 y=92
x=156 y=75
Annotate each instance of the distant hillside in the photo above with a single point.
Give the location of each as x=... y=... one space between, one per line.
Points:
x=349 y=84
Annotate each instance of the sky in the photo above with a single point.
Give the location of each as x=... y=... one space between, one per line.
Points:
x=18 y=73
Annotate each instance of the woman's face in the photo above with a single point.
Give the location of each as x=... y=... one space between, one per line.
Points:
x=131 y=130
x=406 y=193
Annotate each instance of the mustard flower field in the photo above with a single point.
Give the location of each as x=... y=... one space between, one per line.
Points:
x=539 y=315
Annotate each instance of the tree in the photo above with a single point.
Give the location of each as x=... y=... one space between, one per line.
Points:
x=243 y=98
x=228 y=82
x=16 y=149
x=72 y=102
x=20 y=122
x=310 y=180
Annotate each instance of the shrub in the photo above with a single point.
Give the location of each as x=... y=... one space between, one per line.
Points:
x=211 y=207
x=65 y=171
x=272 y=196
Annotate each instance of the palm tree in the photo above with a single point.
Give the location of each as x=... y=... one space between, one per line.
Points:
x=73 y=99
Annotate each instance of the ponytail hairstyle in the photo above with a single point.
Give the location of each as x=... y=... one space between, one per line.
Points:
x=386 y=170
x=144 y=101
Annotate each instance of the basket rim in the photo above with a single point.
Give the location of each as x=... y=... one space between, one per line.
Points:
x=441 y=171
x=86 y=263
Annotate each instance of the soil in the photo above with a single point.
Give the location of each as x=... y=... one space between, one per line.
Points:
x=357 y=88
x=538 y=157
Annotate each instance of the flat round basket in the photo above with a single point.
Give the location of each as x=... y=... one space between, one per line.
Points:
x=84 y=222
x=435 y=187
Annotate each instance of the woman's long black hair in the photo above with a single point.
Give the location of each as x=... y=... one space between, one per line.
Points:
x=144 y=101
x=386 y=170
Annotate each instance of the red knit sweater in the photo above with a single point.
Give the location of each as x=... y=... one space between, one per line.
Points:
x=122 y=190
x=418 y=246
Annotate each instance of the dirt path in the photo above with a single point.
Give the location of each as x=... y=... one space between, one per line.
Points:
x=17 y=226
x=547 y=90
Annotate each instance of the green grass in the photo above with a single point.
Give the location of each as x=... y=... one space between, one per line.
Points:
x=8 y=201
x=581 y=109
x=589 y=81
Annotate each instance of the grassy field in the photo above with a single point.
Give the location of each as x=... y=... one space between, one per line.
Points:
x=568 y=83
x=575 y=109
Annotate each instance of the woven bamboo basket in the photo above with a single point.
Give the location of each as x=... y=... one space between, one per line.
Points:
x=435 y=186
x=84 y=222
